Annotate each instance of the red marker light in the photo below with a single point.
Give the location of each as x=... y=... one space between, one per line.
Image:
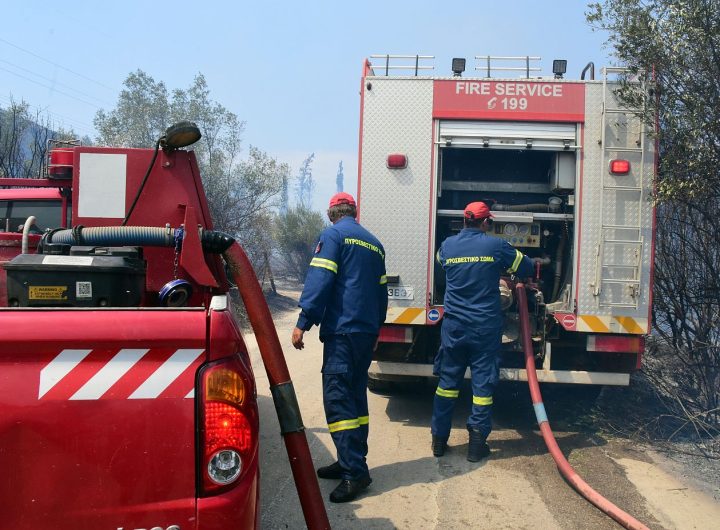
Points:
x=397 y=161
x=61 y=163
x=619 y=167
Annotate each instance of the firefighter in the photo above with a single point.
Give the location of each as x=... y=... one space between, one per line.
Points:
x=345 y=294
x=471 y=330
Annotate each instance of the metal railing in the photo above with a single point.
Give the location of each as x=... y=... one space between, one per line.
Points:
x=488 y=64
x=489 y=68
x=416 y=67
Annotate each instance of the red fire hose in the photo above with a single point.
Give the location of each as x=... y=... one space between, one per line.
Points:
x=567 y=471
x=283 y=393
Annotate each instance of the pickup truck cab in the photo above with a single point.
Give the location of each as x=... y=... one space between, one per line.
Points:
x=46 y=204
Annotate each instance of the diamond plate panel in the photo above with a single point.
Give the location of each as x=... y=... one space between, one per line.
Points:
x=620 y=207
x=395 y=204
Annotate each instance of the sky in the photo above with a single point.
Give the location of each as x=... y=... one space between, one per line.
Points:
x=291 y=70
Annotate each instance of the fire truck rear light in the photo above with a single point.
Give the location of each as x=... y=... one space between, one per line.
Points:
x=397 y=161
x=619 y=167
x=395 y=334
x=615 y=343
x=227 y=424
x=224 y=466
x=225 y=385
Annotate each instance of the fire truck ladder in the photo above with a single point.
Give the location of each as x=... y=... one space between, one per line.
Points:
x=619 y=252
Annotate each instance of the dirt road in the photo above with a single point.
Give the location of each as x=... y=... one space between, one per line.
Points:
x=517 y=487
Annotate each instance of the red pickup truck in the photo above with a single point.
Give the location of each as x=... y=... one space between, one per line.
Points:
x=127 y=399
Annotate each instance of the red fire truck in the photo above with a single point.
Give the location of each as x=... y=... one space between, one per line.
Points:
x=127 y=398
x=568 y=172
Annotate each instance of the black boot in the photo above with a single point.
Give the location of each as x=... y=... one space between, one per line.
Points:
x=332 y=471
x=477 y=448
x=439 y=445
x=348 y=490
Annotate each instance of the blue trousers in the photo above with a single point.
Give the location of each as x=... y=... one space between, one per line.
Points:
x=461 y=347
x=346 y=359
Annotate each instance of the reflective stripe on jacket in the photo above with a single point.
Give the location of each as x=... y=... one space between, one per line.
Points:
x=345 y=287
x=473 y=262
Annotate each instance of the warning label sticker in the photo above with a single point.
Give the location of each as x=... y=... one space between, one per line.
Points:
x=47 y=292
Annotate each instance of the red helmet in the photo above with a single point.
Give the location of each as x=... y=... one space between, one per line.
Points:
x=342 y=198
x=477 y=210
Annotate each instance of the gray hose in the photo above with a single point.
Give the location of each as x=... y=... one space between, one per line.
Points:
x=116 y=236
x=150 y=236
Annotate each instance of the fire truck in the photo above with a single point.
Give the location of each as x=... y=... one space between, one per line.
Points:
x=568 y=173
x=127 y=398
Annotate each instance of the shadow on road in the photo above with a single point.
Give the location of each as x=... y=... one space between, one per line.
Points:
x=280 y=504
x=515 y=429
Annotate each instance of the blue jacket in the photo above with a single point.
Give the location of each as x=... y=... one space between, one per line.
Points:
x=345 y=288
x=473 y=262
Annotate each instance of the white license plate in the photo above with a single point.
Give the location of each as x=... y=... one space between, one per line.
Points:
x=401 y=293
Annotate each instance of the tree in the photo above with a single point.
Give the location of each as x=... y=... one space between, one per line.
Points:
x=305 y=184
x=285 y=195
x=243 y=199
x=678 y=44
x=241 y=193
x=141 y=115
x=340 y=178
x=24 y=141
x=296 y=234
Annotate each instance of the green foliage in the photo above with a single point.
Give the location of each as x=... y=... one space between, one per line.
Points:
x=678 y=43
x=242 y=199
x=141 y=116
x=241 y=192
x=296 y=234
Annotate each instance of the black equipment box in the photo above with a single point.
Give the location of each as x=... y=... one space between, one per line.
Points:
x=77 y=277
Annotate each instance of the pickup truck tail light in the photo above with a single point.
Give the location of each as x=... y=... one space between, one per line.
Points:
x=227 y=424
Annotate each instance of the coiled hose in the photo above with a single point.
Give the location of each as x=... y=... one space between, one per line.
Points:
x=567 y=471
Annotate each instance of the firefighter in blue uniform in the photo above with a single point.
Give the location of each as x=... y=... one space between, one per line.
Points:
x=346 y=294
x=472 y=324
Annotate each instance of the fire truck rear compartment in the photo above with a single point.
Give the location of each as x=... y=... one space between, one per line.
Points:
x=531 y=195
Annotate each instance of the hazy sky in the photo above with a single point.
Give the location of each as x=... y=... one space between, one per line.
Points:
x=291 y=70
